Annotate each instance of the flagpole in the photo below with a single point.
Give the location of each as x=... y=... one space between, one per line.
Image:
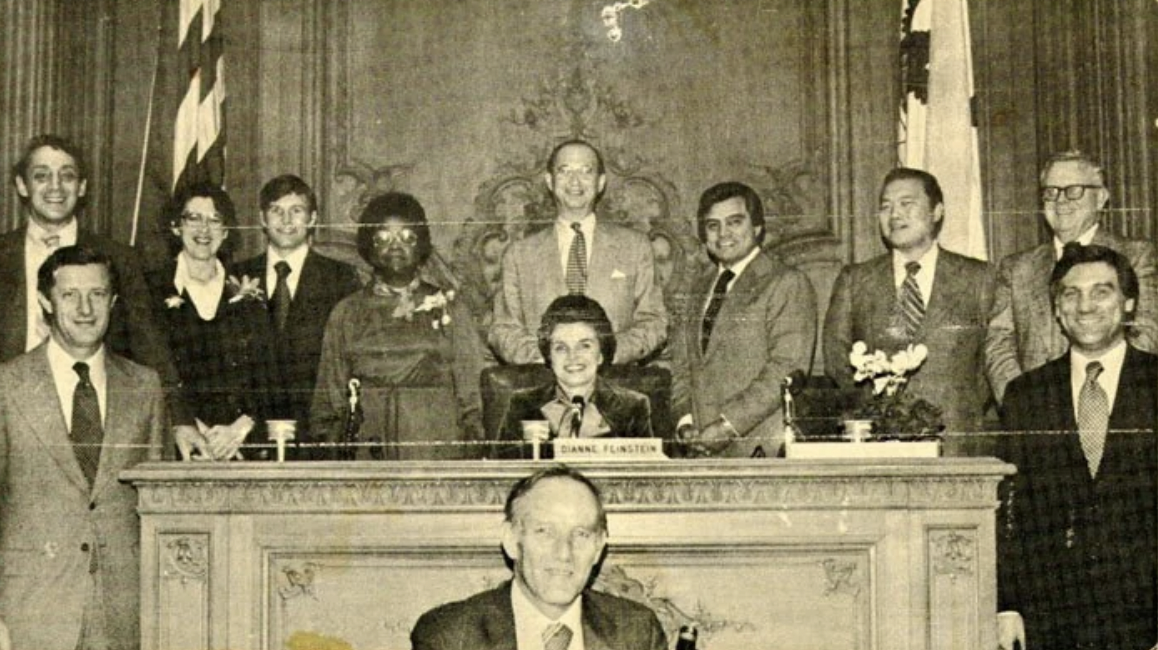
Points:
x=145 y=140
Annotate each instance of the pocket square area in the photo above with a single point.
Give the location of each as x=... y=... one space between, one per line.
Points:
x=618 y=275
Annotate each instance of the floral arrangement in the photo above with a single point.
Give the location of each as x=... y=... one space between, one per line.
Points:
x=895 y=414
x=246 y=288
x=435 y=304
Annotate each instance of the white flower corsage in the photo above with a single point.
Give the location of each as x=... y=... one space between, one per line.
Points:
x=246 y=288
x=437 y=303
x=174 y=302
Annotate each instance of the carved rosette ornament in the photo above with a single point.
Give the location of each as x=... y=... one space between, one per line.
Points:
x=186 y=557
x=841 y=576
x=954 y=554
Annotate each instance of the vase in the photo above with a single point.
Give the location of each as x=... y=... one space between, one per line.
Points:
x=858 y=430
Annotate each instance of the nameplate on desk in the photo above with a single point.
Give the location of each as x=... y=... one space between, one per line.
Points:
x=608 y=449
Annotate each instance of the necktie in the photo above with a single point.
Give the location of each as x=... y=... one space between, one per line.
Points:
x=86 y=431
x=577 y=262
x=556 y=636
x=281 y=295
x=1093 y=417
x=910 y=308
x=714 y=305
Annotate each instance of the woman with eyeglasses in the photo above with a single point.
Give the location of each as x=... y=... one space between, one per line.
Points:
x=410 y=344
x=216 y=324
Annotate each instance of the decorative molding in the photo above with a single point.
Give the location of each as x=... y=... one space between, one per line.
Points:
x=841 y=577
x=296 y=579
x=186 y=557
x=362 y=487
x=953 y=553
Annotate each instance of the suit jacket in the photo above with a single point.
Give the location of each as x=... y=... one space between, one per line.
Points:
x=620 y=277
x=63 y=543
x=323 y=283
x=486 y=621
x=132 y=330
x=626 y=412
x=953 y=330
x=1023 y=333
x=766 y=328
x=1076 y=554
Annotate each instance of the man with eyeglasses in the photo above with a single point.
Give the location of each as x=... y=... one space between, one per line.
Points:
x=581 y=254
x=1023 y=333
x=50 y=179
x=302 y=287
x=554 y=534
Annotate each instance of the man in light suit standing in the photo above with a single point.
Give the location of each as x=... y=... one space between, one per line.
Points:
x=611 y=264
x=917 y=292
x=554 y=533
x=73 y=415
x=1023 y=333
x=750 y=322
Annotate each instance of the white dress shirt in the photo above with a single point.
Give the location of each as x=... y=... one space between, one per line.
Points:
x=206 y=296
x=296 y=260
x=66 y=379
x=1111 y=361
x=35 y=253
x=530 y=622
x=928 y=263
x=1085 y=239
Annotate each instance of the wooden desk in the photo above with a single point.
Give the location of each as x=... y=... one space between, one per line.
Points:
x=761 y=554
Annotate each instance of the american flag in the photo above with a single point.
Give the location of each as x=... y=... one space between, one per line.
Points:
x=199 y=121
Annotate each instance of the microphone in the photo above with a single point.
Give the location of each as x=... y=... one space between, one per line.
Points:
x=577 y=404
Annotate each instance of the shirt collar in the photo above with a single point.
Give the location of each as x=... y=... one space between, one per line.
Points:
x=586 y=224
x=738 y=267
x=36 y=233
x=1085 y=239
x=182 y=281
x=928 y=261
x=61 y=361
x=530 y=622
x=296 y=259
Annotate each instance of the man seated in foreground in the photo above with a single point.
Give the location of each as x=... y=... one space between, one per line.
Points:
x=555 y=533
x=1076 y=529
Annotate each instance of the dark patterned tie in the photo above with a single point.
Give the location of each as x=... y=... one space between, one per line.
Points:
x=577 y=262
x=281 y=295
x=714 y=305
x=556 y=636
x=86 y=433
x=1093 y=417
x=910 y=306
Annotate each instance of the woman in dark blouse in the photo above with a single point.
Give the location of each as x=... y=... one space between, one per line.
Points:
x=576 y=340
x=216 y=325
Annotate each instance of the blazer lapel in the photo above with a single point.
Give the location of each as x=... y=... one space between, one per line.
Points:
x=695 y=314
x=46 y=419
x=746 y=288
x=879 y=297
x=604 y=252
x=118 y=434
x=499 y=623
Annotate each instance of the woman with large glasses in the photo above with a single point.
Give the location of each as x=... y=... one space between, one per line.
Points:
x=216 y=326
x=410 y=344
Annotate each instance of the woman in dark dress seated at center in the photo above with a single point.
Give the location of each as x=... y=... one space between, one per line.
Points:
x=576 y=339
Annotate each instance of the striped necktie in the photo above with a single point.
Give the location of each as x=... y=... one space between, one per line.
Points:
x=577 y=262
x=910 y=306
x=556 y=636
x=1093 y=417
